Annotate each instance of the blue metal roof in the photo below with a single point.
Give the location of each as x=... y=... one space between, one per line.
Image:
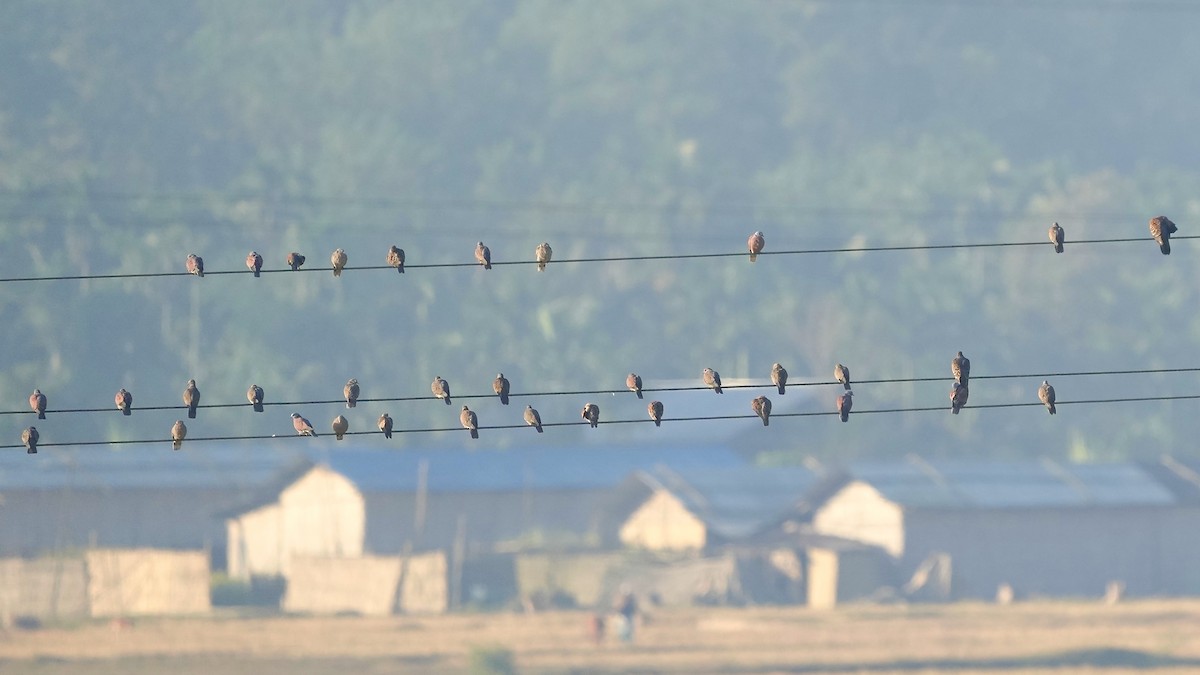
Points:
x=737 y=501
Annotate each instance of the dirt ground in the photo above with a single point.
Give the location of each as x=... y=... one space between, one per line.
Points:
x=1031 y=637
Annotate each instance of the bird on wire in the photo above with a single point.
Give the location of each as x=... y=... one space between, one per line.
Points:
x=655 y=410
x=178 y=433
x=385 y=425
x=1161 y=228
x=441 y=389
x=755 y=243
x=500 y=385
x=1046 y=396
x=591 y=413
x=295 y=260
x=779 y=378
x=395 y=258
x=712 y=379
x=483 y=254
x=340 y=426
x=124 y=401
x=302 y=426
x=960 y=368
x=29 y=438
x=633 y=382
x=350 y=392
x=958 y=397
x=761 y=405
x=254 y=262
x=338 y=260
x=255 y=395
x=195 y=265
x=542 y=254
x=1056 y=237
x=37 y=403
x=845 y=401
x=532 y=418
x=470 y=421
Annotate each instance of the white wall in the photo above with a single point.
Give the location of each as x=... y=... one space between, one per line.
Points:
x=860 y=513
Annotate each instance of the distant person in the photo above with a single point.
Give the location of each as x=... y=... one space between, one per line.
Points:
x=596 y=628
x=625 y=607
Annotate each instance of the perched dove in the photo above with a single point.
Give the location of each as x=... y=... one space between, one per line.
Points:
x=761 y=406
x=255 y=395
x=470 y=421
x=350 y=392
x=842 y=374
x=178 y=433
x=500 y=386
x=634 y=382
x=484 y=255
x=779 y=378
x=542 y=253
x=845 y=401
x=303 y=427
x=340 y=426
x=1056 y=237
x=655 y=410
x=958 y=397
x=712 y=380
x=30 y=438
x=338 y=261
x=37 y=403
x=124 y=401
x=295 y=260
x=1046 y=396
x=533 y=419
x=191 y=398
x=385 y=425
x=195 y=265
x=960 y=367
x=254 y=262
x=441 y=389
x=395 y=258
x=591 y=413
x=1161 y=228
x=755 y=243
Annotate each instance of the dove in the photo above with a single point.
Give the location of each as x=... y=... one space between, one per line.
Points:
x=191 y=398
x=500 y=386
x=960 y=367
x=958 y=397
x=178 y=433
x=533 y=419
x=295 y=260
x=395 y=258
x=542 y=254
x=712 y=380
x=634 y=382
x=350 y=392
x=255 y=395
x=1161 y=228
x=779 y=378
x=591 y=413
x=755 y=243
x=30 y=437
x=254 y=262
x=441 y=389
x=385 y=425
x=842 y=374
x=1056 y=237
x=655 y=410
x=1046 y=396
x=845 y=402
x=469 y=421
x=124 y=401
x=761 y=406
x=338 y=260
x=37 y=403
x=484 y=255
x=303 y=427
x=195 y=265
x=340 y=426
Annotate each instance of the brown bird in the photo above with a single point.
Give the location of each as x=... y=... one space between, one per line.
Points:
x=655 y=410
x=350 y=392
x=254 y=262
x=1161 y=228
x=178 y=433
x=779 y=378
x=295 y=260
x=500 y=386
x=124 y=401
x=533 y=419
x=761 y=406
x=37 y=403
x=302 y=426
x=441 y=389
x=30 y=438
x=1046 y=396
x=842 y=374
x=712 y=380
x=591 y=413
x=191 y=398
x=195 y=265
x=469 y=421
x=340 y=426
x=1056 y=237
x=755 y=243
x=845 y=401
x=395 y=258
x=542 y=254
x=634 y=382
x=960 y=368
x=484 y=255
x=255 y=395
x=385 y=425
x=958 y=397
x=338 y=260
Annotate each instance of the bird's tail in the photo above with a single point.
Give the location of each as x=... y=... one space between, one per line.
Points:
x=638 y=392
x=32 y=450
x=41 y=415
x=192 y=412
x=258 y=407
x=1058 y=248
x=845 y=385
x=387 y=434
x=177 y=444
x=447 y=399
x=658 y=423
x=351 y=404
x=766 y=421
x=753 y=257
x=1165 y=246
x=400 y=268
x=337 y=272
x=782 y=389
x=474 y=433
x=845 y=417
x=717 y=388
x=1053 y=410
x=954 y=409
x=541 y=267
x=255 y=274
x=339 y=437
x=503 y=399
x=127 y=410
x=539 y=428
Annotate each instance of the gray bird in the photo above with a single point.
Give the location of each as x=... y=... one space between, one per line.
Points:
x=350 y=392
x=302 y=426
x=712 y=380
x=1046 y=396
x=195 y=265
x=542 y=254
x=591 y=413
x=30 y=438
x=124 y=401
x=255 y=395
x=958 y=397
x=845 y=401
x=484 y=255
x=842 y=374
x=500 y=386
x=254 y=262
x=395 y=258
x=441 y=389
x=470 y=421
x=761 y=406
x=655 y=410
x=1056 y=237
x=1161 y=228
x=178 y=433
x=191 y=398
x=779 y=378
x=533 y=419
x=755 y=243
x=634 y=382
x=385 y=425
x=37 y=403
x=295 y=260
x=960 y=368
x=338 y=261
x=340 y=426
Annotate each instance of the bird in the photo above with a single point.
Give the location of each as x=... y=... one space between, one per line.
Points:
x=755 y=243
x=500 y=386
x=350 y=392
x=779 y=378
x=37 y=402
x=761 y=405
x=958 y=397
x=30 y=438
x=441 y=389
x=1046 y=396
x=484 y=255
x=533 y=419
x=655 y=410
x=845 y=401
x=591 y=413
x=254 y=262
x=295 y=260
x=303 y=427
x=340 y=426
x=1056 y=237
x=470 y=421
x=178 y=433
x=385 y=425
x=255 y=395
x=124 y=401
x=634 y=382
x=191 y=398
x=712 y=380
x=195 y=265
x=395 y=258
x=960 y=368
x=1161 y=228
x=842 y=374
x=338 y=260
x=542 y=254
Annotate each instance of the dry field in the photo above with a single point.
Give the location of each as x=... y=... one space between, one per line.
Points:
x=1034 y=637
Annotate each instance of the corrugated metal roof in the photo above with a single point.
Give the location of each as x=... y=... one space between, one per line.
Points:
x=737 y=502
